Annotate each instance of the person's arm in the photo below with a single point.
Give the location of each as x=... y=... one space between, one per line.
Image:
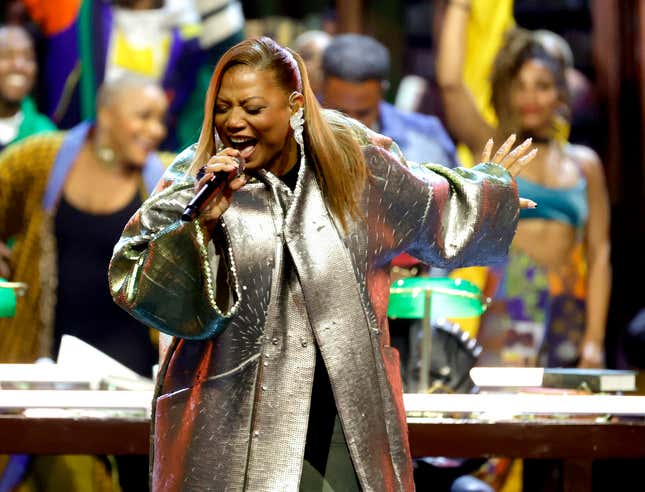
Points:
x=598 y=247
x=464 y=121
x=160 y=271
x=451 y=217
x=461 y=216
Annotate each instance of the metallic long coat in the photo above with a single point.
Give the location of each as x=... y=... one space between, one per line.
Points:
x=233 y=395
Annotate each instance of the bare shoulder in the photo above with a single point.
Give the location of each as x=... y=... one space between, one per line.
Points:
x=586 y=158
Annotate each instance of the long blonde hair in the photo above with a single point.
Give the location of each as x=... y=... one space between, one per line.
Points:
x=336 y=155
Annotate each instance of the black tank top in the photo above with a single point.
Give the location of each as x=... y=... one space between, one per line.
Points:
x=84 y=306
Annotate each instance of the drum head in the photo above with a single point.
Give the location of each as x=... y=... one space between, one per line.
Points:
x=450 y=298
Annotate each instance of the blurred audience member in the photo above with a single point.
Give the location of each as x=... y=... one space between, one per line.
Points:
x=552 y=297
x=355 y=76
x=13 y=12
x=66 y=197
x=310 y=45
x=133 y=36
x=18 y=115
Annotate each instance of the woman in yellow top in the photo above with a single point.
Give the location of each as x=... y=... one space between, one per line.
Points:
x=556 y=285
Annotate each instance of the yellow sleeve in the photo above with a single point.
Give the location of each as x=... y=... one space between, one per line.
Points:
x=489 y=21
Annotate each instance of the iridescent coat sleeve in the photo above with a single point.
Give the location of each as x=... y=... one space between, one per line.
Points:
x=160 y=270
x=471 y=215
x=446 y=217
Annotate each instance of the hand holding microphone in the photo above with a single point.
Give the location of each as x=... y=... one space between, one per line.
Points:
x=222 y=175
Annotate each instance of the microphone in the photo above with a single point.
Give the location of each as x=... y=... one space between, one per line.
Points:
x=211 y=189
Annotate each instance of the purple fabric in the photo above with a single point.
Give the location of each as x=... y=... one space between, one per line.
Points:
x=173 y=57
x=13 y=472
x=102 y=18
x=523 y=299
x=61 y=58
x=62 y=55
x=65 y=157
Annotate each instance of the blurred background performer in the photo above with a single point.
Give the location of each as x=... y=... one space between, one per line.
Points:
x=89 y=41
x=19 y=117
x=553 y=295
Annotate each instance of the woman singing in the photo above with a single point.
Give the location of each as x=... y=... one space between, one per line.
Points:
x=280 y=375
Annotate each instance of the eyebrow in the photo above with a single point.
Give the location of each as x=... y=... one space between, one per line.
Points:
x=243 y=101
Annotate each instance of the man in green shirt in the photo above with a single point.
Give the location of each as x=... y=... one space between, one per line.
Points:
x=19 y=117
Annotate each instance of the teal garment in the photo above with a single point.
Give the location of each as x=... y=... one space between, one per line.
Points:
x=568 y=205
x=32 y=122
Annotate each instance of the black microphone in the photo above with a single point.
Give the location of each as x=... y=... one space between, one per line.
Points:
x=212 y=188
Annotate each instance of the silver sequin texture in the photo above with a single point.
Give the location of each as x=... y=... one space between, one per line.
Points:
x=307 y=285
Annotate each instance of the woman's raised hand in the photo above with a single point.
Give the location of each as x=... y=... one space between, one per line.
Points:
x=513 y=160
x=228 y=160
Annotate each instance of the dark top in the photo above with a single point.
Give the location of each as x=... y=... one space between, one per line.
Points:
x=84 y=306
x=291 y=178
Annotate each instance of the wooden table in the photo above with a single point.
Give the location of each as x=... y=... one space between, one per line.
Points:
x=428 y=437
x=577 y=443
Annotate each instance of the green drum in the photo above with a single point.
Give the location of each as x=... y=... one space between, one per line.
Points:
x=8 y=293
x=450 y=298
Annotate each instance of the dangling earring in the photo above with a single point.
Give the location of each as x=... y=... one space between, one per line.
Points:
x=561 y=126
x=104 y=152
x=297 y=122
